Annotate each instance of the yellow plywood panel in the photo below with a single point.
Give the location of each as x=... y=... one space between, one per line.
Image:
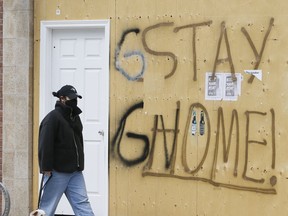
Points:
x=160 y=53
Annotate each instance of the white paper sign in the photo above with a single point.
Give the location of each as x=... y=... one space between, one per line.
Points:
x=222 y=86
x=213 y=86
x=256 y=73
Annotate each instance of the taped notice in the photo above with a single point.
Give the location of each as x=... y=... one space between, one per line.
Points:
x=256 y=73
x=222 y=86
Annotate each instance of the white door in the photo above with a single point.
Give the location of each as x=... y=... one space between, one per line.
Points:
x=79 y=58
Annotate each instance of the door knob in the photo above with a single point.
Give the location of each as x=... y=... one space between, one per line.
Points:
x=101 y=133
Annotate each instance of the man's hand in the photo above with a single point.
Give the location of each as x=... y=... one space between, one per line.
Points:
x=47 y=173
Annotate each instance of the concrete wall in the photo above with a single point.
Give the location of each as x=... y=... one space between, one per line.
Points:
x=17 y=103
x=160 y=53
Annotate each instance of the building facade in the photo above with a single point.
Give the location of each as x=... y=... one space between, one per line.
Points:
x=197 y=104
x=17 y=100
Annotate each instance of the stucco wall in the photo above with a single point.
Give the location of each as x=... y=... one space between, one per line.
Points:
x=160 y=53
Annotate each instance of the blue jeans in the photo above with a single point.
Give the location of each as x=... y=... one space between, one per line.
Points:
x=73 y=185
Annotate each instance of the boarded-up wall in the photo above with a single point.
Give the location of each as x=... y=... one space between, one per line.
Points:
x=160 y=54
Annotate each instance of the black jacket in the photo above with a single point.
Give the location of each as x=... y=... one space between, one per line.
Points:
x=61 y=141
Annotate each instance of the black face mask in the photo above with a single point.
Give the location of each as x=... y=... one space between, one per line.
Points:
x=72 y=103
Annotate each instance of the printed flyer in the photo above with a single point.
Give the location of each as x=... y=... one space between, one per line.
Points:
x=222 y=86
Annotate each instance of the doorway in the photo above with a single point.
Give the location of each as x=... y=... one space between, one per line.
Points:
x=77 y=53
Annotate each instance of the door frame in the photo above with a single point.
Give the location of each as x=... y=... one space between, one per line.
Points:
x=46 y=32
